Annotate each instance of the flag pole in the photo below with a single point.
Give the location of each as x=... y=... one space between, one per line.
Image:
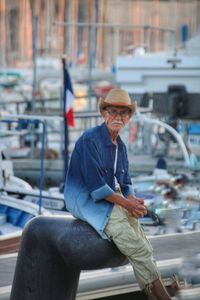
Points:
x=66 y=133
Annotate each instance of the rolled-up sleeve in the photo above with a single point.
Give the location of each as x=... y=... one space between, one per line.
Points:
x=102 y=192
x=127 y=190
x=92 y=170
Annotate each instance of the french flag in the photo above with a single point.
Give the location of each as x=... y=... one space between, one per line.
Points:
x=68 y=98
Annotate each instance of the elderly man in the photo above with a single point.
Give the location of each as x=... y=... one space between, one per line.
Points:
x=98 y=190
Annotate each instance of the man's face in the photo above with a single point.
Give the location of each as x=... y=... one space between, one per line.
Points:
x=116 y=117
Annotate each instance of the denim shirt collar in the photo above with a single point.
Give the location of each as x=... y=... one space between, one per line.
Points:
x=106 y=136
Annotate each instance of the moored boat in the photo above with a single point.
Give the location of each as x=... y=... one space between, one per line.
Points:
x=14 y=214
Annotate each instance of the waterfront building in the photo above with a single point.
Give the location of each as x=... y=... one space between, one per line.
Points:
x=70 y=27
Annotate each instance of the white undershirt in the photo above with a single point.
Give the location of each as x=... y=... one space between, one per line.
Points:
x=117 y=186
x=116 y=157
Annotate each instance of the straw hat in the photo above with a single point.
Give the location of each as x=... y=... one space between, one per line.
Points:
x=117 y=97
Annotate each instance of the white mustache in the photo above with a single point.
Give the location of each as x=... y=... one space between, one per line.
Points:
x=117 y=122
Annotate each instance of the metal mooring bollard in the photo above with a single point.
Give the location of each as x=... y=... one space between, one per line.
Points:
x=52 y=253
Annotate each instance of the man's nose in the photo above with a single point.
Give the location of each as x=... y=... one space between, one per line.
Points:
x=118 y=115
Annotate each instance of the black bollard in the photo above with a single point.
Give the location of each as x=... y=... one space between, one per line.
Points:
x=52 y=253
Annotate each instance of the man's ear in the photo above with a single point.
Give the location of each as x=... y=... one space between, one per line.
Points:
x=104 y=114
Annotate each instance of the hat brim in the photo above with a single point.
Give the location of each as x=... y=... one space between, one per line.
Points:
x=103 y=105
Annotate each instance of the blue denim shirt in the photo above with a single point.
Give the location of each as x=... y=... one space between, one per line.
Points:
x=90 y=177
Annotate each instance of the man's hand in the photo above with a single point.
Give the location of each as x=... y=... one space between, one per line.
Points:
x=136 y=206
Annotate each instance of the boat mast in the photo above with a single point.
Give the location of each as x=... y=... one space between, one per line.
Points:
x=3 y=60
x=1 y=171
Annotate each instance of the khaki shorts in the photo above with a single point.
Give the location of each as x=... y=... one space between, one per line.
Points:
x=126 y=232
